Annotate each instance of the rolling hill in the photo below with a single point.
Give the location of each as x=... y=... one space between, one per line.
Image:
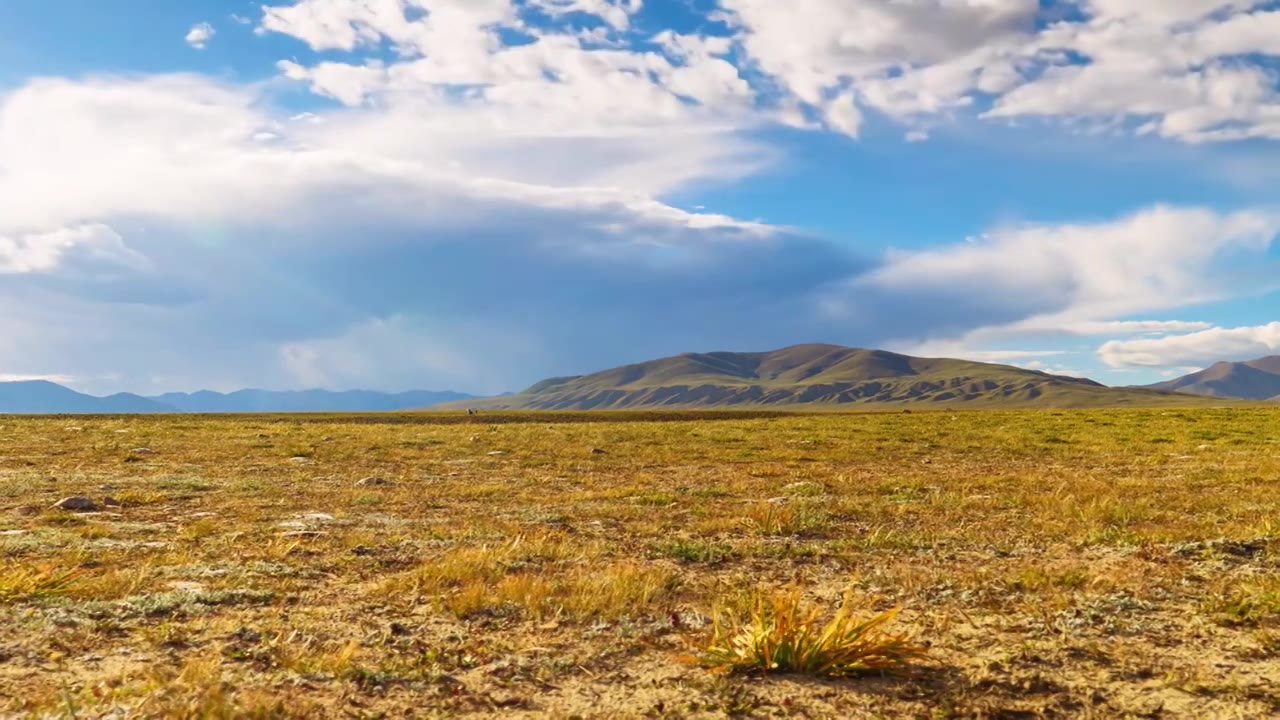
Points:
x=813 y=375
x=256 y=401
x=1253 y=380
x=43 y=397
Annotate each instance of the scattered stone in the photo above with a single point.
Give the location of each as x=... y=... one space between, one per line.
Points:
x=143 y=451
x=77 y=504
x=778 y=500
x=1239 y=548
x=300 y=460
x=184 y=586
x=1202 y=448
x=303 y=534
x=262 y=436
x=599 y=451
x=316 y=517
x=373 y=481
x=475 y=438
x=111 y=502
x=498 y=452
x=121 y=432
x=12 y=533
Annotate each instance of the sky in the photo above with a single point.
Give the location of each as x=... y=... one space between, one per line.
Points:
x=477 y=194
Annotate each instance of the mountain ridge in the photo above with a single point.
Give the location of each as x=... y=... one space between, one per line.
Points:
x=814 y=374
x=42 y=397
x=1257 y=379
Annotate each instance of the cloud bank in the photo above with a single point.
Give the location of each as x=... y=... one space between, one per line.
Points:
x=477 y=194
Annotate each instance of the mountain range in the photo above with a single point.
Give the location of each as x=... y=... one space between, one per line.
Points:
x=802 y=375
x=43 y=397
x=816 y=375
x=1253 y=380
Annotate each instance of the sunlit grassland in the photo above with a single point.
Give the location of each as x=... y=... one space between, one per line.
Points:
x=1066 y=563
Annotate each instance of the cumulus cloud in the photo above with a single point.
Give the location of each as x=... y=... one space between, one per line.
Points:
x=484 y=198
x=1050 y=278
x=200 y=35
x=1193 y=70
x=1194 y=349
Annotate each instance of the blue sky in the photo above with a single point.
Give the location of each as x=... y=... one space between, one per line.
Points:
x=477 y=194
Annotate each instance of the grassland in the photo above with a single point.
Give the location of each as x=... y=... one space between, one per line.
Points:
x=1055 y=563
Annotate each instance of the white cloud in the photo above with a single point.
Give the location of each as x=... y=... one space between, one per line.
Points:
x=200 y=35
x=47 y=251
x=1194 y=349
x=1183 y=69
x=8 y=377
x=1134 y=327
x=178 y=230
x=1063 y=275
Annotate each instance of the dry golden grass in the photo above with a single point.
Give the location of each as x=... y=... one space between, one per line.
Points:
x=1056 y=564
x=782 y=635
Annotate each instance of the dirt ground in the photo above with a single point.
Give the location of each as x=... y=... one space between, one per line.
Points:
x=1100 y=564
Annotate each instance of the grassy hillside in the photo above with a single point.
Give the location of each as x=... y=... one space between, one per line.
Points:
x=816 y=375
x=1107 y=564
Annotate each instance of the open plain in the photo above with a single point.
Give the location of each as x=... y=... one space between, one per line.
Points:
x=1081 y=563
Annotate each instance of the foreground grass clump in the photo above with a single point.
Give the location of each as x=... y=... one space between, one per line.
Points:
x=21 y=581
x=782 y=634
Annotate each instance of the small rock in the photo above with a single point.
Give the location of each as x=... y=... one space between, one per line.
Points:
x=316 y=517
x=74 y=429
x=599 y=451
x=300 y=460
x=262 y=436
x=475 y=438
x=373 y=481
x=202 y=515
x=12 y=533
x=77 y=504
x=143 y=451
x=184 y=586
x=106 y=488
x=498 y=452
x=778 y=500
x=111 y=502
x=303 y=534
x=1204 y=447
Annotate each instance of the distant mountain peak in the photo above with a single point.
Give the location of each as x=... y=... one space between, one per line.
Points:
x=1251 y=380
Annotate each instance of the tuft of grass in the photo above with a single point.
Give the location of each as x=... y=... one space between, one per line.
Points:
x=785 y=520
x=21 y=581
x=1251 y=604
x=782 y=634
x=697 y=552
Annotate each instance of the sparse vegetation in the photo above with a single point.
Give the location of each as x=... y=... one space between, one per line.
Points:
x=1056 y=563
x=783 y=635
